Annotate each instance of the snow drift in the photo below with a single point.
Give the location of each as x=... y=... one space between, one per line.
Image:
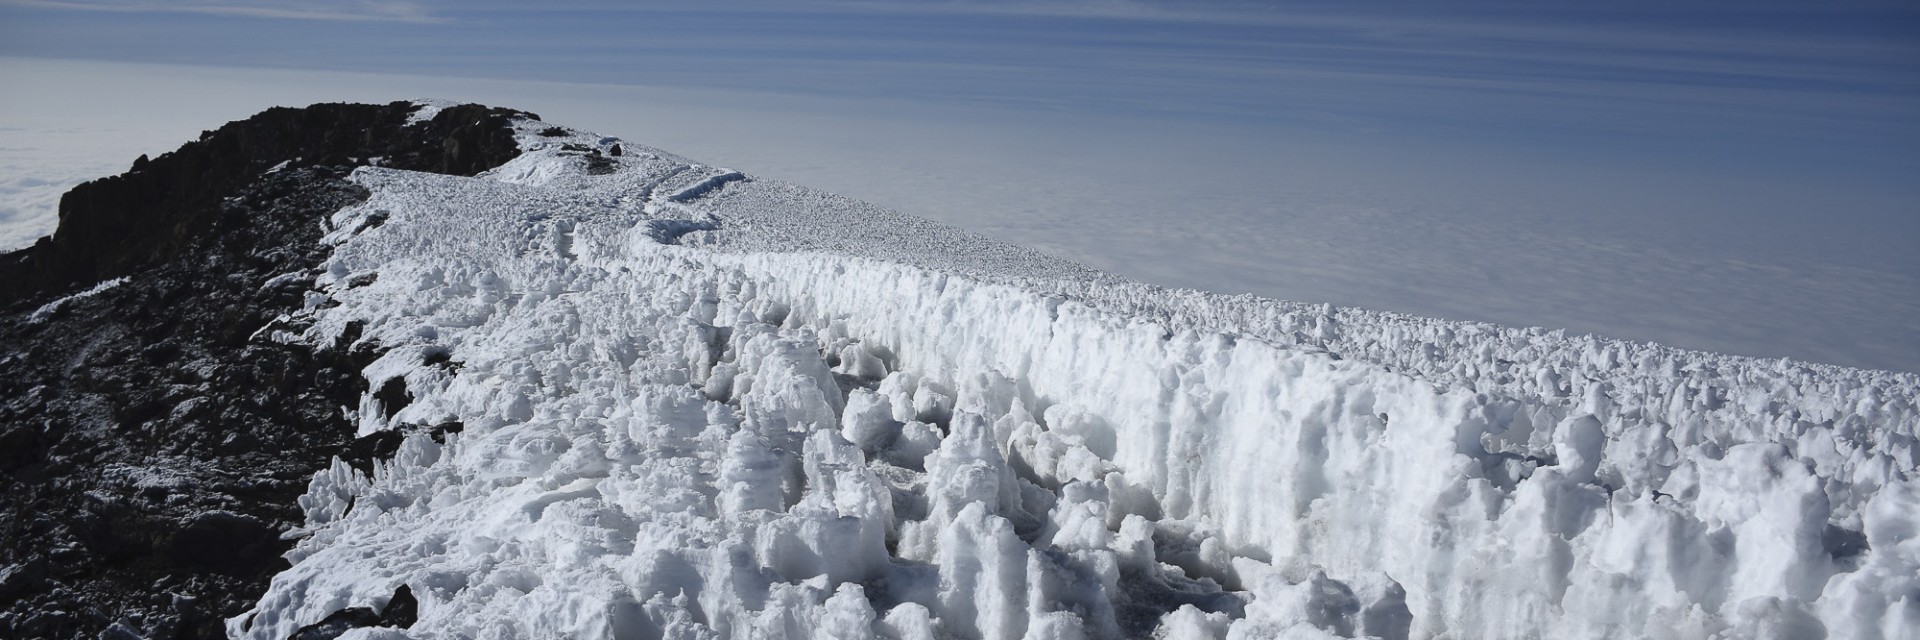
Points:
x=647 y=398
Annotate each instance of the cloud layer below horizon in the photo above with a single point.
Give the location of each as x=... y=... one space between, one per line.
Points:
x=1729 y=177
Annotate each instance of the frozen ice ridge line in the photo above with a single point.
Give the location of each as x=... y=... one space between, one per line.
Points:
x=696 y=405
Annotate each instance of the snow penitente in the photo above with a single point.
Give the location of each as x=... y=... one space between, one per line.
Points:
x=630 y=395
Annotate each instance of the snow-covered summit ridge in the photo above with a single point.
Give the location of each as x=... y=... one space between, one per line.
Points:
x=698 y=403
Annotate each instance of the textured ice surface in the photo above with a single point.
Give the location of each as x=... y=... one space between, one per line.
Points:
x=698 y=404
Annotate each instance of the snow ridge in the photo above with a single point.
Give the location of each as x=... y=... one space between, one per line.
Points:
x=695 y=404
x=47 y=310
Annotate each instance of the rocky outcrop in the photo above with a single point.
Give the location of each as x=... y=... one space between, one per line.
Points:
x=151 y=449
x=114 y=226
x=400 y=611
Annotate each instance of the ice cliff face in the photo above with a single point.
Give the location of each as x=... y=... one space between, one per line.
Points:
x=645 y=398
x=603 y=391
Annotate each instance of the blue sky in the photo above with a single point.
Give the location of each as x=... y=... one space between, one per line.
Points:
x=1725 y=134
x=1832 y=80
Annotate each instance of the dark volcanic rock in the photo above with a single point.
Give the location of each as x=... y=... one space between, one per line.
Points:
x=113 y=226
x=401 y=611
x=151 y=447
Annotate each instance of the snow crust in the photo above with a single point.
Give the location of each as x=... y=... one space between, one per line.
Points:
x=47 y=310
x=426 y=108
x=698 y=404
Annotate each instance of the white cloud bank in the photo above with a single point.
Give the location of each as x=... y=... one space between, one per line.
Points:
x=1688 y=260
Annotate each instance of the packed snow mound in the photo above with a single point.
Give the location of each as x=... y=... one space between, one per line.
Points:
x=647 y=398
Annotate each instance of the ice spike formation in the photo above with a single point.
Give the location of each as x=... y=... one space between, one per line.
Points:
x=688 y=402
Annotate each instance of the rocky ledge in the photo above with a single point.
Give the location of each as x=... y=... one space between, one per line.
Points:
x=151 y=453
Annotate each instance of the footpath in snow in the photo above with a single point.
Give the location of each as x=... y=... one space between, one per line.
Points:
x=646 y=398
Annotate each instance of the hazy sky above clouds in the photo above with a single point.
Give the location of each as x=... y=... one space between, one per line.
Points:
x=1735 y=176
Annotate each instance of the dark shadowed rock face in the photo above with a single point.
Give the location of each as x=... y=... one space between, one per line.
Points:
x=113 y=226
x=151 y=450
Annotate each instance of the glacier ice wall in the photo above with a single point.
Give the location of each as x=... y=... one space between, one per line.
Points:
x=694 y=404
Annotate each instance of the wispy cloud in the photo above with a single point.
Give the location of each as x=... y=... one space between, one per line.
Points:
x=329 y=10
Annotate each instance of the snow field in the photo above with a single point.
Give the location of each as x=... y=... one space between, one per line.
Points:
x=676 y=425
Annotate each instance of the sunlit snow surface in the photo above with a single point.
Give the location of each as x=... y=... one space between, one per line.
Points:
x=698 y=404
